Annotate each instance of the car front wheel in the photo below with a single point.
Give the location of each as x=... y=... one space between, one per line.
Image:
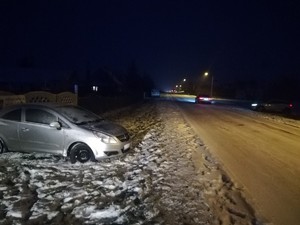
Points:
x=81 y=153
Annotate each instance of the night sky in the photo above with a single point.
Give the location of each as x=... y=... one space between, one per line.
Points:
x=169 y=40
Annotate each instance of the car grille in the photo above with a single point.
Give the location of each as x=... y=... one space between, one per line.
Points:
x=124 y=137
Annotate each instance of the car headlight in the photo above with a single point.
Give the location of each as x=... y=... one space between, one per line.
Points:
x=254 y=104
x=105 y=138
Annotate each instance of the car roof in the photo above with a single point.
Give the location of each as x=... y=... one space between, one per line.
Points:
x=49 y=105
x=204 y=95
x=278 y=100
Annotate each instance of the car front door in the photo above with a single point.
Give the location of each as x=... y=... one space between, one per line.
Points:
x=277 y=106
x=36 y=135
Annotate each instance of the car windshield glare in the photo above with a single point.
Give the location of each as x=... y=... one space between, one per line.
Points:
x=78 y=115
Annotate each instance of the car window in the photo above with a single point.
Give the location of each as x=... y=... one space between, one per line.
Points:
x=14 y=115
x=278 y=102
x=39 y=116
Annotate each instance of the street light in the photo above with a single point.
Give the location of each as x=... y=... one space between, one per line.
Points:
x=183 y=85
x=212 y=83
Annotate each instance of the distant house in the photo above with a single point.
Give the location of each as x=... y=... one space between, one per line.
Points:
x=105 y=82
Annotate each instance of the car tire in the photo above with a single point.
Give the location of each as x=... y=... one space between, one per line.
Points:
x=82 y=153
x=260 y=109
x=287 y=111
x=3 y=147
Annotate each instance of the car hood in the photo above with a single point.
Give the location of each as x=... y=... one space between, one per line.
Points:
x=105 y=126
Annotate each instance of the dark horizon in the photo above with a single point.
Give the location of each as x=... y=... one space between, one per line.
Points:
x=169 y=40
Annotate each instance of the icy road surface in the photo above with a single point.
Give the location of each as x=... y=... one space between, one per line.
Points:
x=168 y=177
x=260 y=152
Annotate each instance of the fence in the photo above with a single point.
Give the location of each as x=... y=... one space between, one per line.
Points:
x=66 y=98
x=8 y=100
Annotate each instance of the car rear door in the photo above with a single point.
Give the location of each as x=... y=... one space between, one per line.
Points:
x=36 y=135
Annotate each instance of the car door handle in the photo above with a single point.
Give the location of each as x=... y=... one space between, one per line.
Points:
x=24 y=129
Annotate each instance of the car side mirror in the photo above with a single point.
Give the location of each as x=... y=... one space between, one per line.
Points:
x=56 y=125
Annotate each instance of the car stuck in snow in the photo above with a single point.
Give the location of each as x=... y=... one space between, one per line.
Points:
x=67 y=130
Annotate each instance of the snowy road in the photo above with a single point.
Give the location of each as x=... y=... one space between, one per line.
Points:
x=261 y=152
x=168 y=178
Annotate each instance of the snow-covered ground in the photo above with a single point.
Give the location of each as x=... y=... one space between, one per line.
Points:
x=168 y=177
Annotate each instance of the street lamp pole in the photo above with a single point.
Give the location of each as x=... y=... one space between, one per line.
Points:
x=211 y=84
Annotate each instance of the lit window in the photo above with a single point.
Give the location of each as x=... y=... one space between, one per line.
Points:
x=95 y=88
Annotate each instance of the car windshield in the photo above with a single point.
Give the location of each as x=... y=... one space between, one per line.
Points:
x=78 y=115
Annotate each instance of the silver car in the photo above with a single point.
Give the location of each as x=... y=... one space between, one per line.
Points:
x=70 y=131
x=278 y=106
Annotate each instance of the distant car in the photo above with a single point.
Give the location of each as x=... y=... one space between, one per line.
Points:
x=206 y=99
x=278 y=106
x=70 y=131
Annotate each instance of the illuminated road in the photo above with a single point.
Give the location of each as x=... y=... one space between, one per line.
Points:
x=261 y=153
